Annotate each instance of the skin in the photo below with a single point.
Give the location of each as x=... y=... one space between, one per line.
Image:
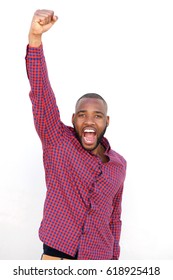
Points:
x=90 y=113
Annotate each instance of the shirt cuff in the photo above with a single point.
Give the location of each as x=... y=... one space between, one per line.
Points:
x=34 y=52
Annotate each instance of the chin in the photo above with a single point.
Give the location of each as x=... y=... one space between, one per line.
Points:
x=90 y=148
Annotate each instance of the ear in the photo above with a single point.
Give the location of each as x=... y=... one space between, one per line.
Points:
x=107 y=120
x=73 y=119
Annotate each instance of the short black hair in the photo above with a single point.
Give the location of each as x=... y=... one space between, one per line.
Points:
x=92 y=95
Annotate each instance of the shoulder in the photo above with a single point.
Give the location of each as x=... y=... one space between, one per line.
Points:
x=117 y=157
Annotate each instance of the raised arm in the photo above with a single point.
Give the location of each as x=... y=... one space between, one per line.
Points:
x=45 y=111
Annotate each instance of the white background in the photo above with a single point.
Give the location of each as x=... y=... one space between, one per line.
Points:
x=122 y=50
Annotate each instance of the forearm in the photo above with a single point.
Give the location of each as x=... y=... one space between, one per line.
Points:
x=116 y=222
x=45 y=111
x=37 y=71
x=117 y=233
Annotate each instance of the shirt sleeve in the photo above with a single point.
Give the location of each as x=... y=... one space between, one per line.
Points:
x=115 y=222
x=45 y=111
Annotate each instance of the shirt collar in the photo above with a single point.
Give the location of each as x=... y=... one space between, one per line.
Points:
x=106 y=145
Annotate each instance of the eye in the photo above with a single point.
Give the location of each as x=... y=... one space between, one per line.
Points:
x=98 y=116
x=81 y=115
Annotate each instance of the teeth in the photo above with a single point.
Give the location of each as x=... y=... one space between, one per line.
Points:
x=89 y=130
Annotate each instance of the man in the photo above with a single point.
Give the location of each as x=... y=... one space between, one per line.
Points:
x=84 y=176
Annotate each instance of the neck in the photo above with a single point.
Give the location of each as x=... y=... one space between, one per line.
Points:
x=99 y=151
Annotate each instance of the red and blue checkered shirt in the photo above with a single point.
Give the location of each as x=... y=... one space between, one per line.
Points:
x=83 y=200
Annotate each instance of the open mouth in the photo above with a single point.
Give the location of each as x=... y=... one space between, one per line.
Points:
x=89 y=136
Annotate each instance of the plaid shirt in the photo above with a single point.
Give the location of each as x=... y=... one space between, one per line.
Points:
x=83 y=201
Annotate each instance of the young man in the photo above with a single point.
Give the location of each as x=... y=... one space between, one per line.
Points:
x=84 y=176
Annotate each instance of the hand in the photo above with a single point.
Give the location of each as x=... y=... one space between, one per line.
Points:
x=42 y=21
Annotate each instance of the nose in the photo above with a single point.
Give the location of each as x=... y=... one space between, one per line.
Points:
x=89 y=120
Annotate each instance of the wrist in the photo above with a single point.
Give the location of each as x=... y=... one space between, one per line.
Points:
x=34 y=40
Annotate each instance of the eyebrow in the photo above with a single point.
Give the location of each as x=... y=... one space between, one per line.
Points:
x=84 y=111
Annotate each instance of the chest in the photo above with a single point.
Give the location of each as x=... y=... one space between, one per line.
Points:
x=69 y=165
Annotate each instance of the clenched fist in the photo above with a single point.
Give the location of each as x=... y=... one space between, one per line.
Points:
x=42 y=21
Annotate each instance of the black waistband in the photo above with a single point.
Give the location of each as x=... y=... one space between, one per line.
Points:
x=55 y=253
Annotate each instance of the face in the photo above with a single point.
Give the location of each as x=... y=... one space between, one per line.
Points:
x=90 y=122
